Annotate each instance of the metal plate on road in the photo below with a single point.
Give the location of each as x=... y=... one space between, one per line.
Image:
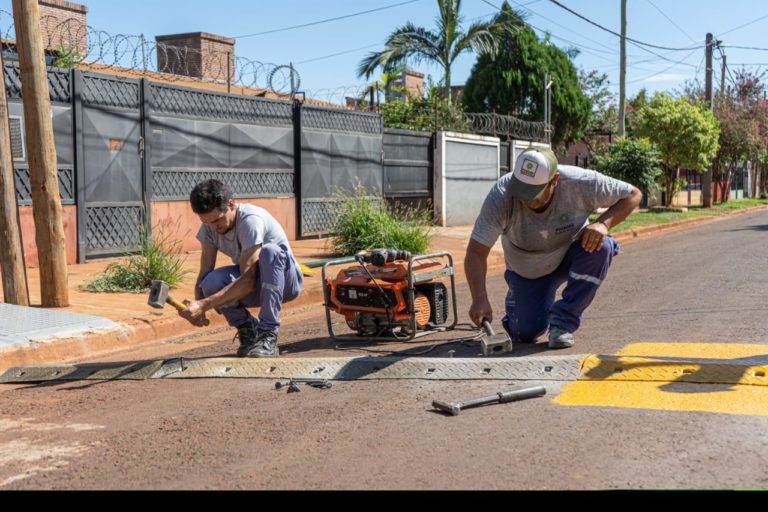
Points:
x=748 y=370
x=356 y=368
x=137 y=370
x=559 y=368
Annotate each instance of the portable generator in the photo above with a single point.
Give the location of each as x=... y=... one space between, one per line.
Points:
x=391 y=295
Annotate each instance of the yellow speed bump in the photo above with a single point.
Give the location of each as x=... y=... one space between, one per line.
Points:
x=724 y=378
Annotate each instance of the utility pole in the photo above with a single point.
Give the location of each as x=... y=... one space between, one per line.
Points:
x=623 y=69
x=11 y=252
x=43 y=175
x=706 y=182
x=722 y=78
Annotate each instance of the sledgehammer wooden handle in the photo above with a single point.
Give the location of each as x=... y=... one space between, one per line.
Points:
x=181 y=307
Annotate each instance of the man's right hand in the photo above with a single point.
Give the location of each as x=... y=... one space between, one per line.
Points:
x=479 y=310
x=194 y=314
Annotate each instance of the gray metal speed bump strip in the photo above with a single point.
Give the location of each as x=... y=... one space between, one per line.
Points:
x=561 y=368
x=97 y=371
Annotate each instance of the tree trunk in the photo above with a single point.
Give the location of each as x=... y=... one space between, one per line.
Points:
x=669 y=189
x=11 y=252
x=38 y=124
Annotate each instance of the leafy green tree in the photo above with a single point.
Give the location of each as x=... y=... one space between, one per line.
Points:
x=443 y=46
x=635 y=161
x=66 y=57
x=743 y=115
x=431 y=113
x=513 y=83
x=686 y=134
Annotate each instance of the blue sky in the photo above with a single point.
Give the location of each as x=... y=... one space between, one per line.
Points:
x=669 y=23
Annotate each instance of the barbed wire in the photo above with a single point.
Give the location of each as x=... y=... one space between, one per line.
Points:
x=75 y=43
x=353 y=96
x=506 y=126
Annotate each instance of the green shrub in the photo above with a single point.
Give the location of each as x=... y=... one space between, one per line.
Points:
x=158 y=258
x=636 y=161
x=365 y=222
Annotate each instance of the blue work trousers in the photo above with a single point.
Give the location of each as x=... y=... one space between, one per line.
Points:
x=279 y=280
x=530 y=303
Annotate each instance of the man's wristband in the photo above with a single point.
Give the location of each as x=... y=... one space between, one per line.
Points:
x=603 y=223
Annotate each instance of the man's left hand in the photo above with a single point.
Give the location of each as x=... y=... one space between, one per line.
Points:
x=592 y=236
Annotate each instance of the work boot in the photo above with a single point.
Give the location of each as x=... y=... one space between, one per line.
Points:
x=559 y=337
x=247 y=335
x=265 y=344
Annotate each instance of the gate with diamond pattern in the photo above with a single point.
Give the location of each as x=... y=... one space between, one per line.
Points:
x=339 y=149
x=111 y=199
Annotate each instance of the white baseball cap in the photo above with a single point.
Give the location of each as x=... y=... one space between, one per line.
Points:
x=533 y=171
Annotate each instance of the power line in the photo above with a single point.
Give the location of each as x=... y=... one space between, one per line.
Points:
x=722 y=54
x=678 y=27
x=664 y=70
x=746 y=48
x=344 y=52
x=742 y=26
x=327 y=20
x=336 y=54
x=562 y=26
x=616 y=33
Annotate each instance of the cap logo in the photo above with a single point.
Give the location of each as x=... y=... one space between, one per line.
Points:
x=529 y=168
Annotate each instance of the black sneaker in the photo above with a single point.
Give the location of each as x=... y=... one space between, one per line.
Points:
x=247 y=335
x=264 y=346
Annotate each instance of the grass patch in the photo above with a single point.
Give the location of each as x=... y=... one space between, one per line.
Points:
x=365 y=222
x=640 y=219
x=159 y=258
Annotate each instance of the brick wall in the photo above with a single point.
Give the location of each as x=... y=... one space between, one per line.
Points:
x=64 y=24
x=196 y=54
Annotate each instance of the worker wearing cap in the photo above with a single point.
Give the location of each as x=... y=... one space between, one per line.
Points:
x=541 y=210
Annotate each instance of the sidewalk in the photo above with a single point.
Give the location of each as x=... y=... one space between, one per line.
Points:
x=139 y=324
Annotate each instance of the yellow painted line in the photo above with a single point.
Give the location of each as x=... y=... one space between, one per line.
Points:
x=706 y=377
x=716 y=398
x=696 y=350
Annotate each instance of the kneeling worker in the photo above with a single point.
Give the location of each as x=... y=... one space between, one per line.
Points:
x=541 y=210
x=265 y=273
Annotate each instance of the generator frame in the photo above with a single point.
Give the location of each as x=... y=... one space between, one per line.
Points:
x=445 y=271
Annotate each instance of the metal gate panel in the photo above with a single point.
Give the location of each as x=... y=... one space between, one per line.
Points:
x=245 y=142
x=112 y=183
x=407 y=167
x=339 y=148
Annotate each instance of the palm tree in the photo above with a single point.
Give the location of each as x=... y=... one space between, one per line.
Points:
x=386 y=84
x=442 y=47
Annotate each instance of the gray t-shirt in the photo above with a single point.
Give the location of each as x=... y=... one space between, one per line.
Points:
x=253 y=226
x=535 y=243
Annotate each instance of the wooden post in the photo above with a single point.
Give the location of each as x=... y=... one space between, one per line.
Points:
x=11 y=253
x=43 y=175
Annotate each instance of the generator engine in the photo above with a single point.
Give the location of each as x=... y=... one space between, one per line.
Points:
x=374 y=298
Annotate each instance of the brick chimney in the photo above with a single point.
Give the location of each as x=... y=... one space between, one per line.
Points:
x=64 y=24
x=196 y=54
x=413 y=83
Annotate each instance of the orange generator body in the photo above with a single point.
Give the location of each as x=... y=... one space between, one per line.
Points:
x=403 y=294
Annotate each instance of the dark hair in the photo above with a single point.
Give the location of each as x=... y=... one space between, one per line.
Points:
x=209 y=195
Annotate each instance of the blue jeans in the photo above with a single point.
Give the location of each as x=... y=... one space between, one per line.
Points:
x=530 y=303
x=279 y=280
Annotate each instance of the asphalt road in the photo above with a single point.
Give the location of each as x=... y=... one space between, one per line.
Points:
x=706 y=284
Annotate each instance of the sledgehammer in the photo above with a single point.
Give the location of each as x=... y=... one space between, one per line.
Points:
x=493 y=343
x=454 y=408
x=158 y=296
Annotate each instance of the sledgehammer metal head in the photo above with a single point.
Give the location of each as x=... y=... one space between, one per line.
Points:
x=158 y=294
x=493 y=343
